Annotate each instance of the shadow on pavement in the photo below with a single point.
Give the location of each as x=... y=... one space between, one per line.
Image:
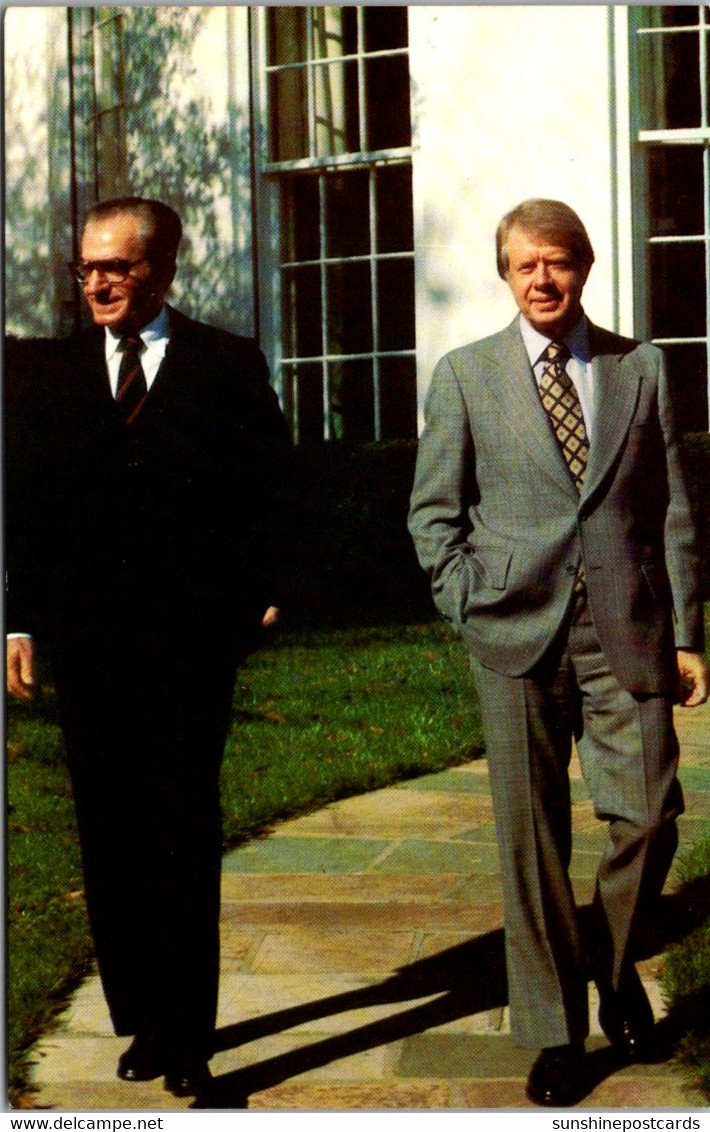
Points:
x=466 y=979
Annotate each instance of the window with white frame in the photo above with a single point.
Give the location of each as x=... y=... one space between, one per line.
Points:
x=671 y=78
x=338 y=155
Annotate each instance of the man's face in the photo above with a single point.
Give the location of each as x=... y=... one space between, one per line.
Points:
x=127 y=306
x=547 y=282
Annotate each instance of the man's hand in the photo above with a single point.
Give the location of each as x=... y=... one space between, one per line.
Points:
x=20 y=667
x=270 y=617
x=693 y=678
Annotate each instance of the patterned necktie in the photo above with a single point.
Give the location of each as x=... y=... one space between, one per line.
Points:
x=131 y=390
x=561 y=403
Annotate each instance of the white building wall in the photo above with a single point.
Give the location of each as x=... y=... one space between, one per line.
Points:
x=508 y=102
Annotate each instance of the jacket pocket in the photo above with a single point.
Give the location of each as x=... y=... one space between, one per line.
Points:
x=492 y=564
x=657 y=581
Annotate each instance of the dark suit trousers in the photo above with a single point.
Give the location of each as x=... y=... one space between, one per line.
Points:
x=145 y=725
x=628 y=754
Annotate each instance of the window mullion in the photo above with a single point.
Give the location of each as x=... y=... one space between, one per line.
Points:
x=363 y=132
x=325 y=340
x=374 y=296
x=310 y=85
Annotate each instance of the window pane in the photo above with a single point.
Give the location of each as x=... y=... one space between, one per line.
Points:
x=675 y=178
x=349 y=308
x=670 y=16
x=398 y=397
x=677 y=290
x=388 y=117
x=334 y=32
x=303 y=397
x=336 y=109
x=385 y=28
x=669 y=73
x=352 y=400
x=288 y=116
x=687 y=376
x=286 y=35
x=395 y=221
x=395 y=306
x=300 y=210
x=348 y=214
x=301 y=312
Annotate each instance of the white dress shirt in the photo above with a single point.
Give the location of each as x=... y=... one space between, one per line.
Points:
x=579 y=366
x=154 y=336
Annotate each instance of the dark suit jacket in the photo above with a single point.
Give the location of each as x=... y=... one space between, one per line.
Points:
x=171 y=524
x=499 y=526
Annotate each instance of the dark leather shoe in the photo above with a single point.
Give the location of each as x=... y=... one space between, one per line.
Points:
x=556 y=1079
x=626 y=1017
x=187 y=1078
x=142 y=1061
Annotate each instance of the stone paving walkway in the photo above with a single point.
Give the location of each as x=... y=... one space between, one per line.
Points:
x=362 y=964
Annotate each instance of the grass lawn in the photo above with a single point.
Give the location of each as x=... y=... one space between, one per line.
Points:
x=317 y=716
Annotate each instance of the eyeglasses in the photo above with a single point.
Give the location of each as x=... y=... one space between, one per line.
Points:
x=113 y=270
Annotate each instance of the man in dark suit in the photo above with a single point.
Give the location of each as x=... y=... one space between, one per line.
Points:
x=550 y=511
x=145 y=460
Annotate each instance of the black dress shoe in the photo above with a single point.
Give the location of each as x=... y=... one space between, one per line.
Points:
x=189 y=1078
x=556 y=1079
x=626 y=1017
x=142 y=1061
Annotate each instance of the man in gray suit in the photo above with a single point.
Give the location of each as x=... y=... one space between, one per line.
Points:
x=550 y=512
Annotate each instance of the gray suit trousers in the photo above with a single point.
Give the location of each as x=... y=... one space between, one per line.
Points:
x=629 y=755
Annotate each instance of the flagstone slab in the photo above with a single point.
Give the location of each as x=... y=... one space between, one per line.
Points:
x=485 y=888
x=237 y=947
x=696 y=778
x=697 y=804
x=245 y=996
x=350 y=887
x=447 y=781
x=77 y=1095
x=420 y=856
x=438 y=943
x=312 y=952
x=305 y=1056
x=302 y=1009
x=392 y=814
x=305 y=855
x=508 y=1093
x=383 y=915
x=85 y=1058
x=483 y=834
x=426 y=1096
x=87 y=1013
x=463 y=1055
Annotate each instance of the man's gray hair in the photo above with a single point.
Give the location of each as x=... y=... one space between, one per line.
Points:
x=555 y=221
x=161 y=227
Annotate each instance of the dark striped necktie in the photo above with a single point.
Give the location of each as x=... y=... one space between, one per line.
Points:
x=131 y=390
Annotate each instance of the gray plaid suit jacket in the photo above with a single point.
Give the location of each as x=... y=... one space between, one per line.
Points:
x=499 y=526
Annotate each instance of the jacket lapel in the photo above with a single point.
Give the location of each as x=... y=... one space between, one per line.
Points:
x=616 y=385
x=178 y=357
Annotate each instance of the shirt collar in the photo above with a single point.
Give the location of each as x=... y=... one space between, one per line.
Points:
x=577 y=341
x=155 y=333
